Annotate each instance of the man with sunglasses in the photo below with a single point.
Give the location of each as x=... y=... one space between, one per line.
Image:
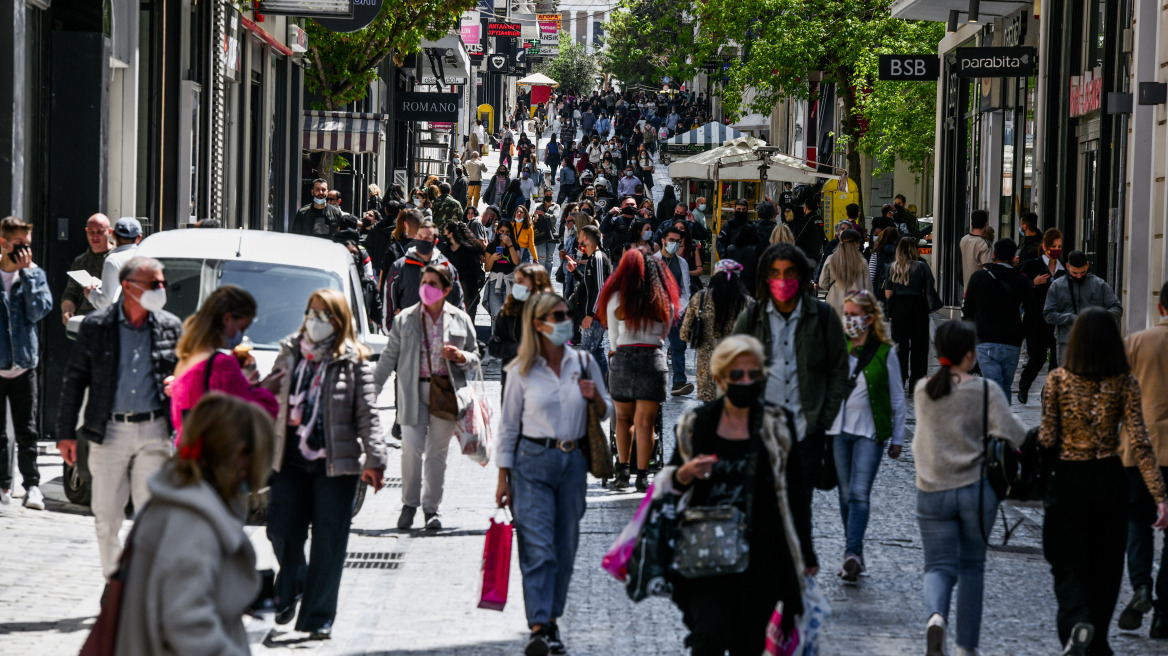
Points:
x=127 y=234
x=123 y=356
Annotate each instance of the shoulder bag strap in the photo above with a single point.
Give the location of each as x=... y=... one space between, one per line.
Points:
x=207 y=372
x=985 y=437
x=867 y=354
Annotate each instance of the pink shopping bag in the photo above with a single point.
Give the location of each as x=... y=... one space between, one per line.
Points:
x=777 y=642
x=616 y=559
x=496 y=564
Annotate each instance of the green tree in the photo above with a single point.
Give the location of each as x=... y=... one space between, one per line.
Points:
x=345 y=64
x=646 y=41
x=573 y=68
x=790 y=42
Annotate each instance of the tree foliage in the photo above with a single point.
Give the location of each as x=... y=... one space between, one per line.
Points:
x=648 y=40
x=574 y=68
x=344 y=64
x=789 y=43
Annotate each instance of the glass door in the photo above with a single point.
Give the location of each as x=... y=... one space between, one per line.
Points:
x=1088 y=222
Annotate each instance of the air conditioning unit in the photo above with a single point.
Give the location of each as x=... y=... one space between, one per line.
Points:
x=297 y=39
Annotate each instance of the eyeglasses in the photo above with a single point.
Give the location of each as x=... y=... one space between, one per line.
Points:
x=558 y=315
x=319 y=315
x=737 y=374
x=152 y=284
x=858 y=292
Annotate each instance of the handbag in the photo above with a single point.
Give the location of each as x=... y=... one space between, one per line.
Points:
x=712 y=540
x=696 y=331
x=931 y=296
x=443 y=401
x=496 y=568
x=652 y=558
x=103 y=637
x=473 y=427
x=1001 y=466
x=599 y=451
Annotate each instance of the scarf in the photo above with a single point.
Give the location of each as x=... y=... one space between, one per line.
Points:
x=305 y=398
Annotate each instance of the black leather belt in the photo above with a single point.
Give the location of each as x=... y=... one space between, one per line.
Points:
x=567 y=446
x=423 y=379
x=136 y=417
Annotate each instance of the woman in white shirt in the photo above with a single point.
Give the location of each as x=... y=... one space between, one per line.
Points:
x=543 y=471
x=872 y=416
x=638 y=304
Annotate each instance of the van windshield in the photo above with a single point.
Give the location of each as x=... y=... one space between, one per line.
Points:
x=281 y=292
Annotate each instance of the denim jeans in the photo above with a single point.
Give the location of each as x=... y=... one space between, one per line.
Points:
x=857 y=459
x=592 y=340
x=496 y=294
x=955 y=553
x=677 y=355
x=547 y=488
x=998 y=363
x=547 y=254
x=299 y=497
x=1141 y=538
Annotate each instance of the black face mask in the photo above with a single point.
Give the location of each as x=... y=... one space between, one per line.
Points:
x=423 y=247
x=744 y=396
x=741 y=216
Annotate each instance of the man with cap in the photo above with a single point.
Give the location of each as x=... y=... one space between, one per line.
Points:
x=127 y=234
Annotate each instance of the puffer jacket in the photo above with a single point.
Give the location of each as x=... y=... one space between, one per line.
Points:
x=28 y=303
x=352 y=431
x=1067 y=297
x=403 y=354
x=192 y=574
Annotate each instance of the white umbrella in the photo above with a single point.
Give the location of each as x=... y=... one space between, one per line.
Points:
x=539 y=79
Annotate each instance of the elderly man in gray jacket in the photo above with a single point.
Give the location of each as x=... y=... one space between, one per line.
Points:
x=1071 y=294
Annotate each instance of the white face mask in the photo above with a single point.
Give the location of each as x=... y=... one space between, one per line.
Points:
x=153 y=300
x=561 y=332
x=672 y=246
x=319 y=331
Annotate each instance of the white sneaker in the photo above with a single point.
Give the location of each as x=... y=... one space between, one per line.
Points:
x=935 y=636
x=5 y=497
x=33 y=499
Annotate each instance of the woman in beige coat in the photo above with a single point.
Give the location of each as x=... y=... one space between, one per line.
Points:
x=192 y=571
x=845 y=270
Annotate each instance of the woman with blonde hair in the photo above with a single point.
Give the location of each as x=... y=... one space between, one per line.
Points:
x=844 y=271
x=739 y=451
x=219 y=324
x=327 y=437
x=871 y=416
x=905 y=288
x=193 y=574
x=542 y=466
x=431 y=343
x=782 y=235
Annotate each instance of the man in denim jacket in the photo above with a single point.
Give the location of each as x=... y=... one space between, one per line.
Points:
x=25 y=299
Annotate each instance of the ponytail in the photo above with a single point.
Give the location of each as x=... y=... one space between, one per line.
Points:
x=954 y=339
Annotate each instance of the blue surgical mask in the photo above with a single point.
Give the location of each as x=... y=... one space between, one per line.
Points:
x=672 y=246
x=646 y=235
x=561 y=332
x=234 y=340
x=520 y=292
x=702 y=207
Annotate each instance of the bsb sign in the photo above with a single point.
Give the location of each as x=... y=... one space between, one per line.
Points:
x=910 y=67
x=428 y=107
x=995 y=62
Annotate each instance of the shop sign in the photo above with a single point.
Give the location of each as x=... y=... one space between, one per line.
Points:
x=910 y=67
x=448 y=81
x=469 y=33
x=531 y=43
x=549 y=24
x=1087 y=92
x=995 y=62
x=429 y=107
x=364 y=11
x=495 y=28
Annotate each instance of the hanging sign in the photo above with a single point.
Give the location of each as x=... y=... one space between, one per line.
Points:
x=549 y=24
x=364 y=11
x=429 y=107
x=495 y=28
x=995 y=62
x=910 y=67
x=1087 y=92
x=499 y=63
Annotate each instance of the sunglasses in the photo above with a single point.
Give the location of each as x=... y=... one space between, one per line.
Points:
x=558 y=315
x=319 y=315
x=737 y=375
x=151 y=284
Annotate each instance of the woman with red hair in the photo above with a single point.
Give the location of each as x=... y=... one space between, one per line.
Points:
x=638 y=304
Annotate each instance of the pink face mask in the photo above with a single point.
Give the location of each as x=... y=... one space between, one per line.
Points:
x=430 y=294
x=784 y=290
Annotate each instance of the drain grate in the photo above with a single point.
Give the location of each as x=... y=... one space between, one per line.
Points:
x=393 y=482
x=374 y=559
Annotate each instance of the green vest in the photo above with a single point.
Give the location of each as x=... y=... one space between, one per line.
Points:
x=879 y=397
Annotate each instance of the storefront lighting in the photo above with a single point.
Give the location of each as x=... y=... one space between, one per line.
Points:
x=974 y=8
x=952 y=25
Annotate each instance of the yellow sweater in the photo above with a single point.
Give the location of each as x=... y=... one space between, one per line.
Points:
x=525 y=238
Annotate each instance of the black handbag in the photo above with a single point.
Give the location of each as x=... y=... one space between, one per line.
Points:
x=697 y=331
x=1002 y=464
x=931 y=296
x=714 y=540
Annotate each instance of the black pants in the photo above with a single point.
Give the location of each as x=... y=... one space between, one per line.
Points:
x=21 y=393
x=910 y=331
x=1084 y=536
x=1039 y=342
x=300 y=497
x=1141 y=539
x=734 y=621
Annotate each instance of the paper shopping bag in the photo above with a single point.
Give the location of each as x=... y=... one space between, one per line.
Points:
x=496 y=565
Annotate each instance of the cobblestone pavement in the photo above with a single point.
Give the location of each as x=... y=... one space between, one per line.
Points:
x=416 y=592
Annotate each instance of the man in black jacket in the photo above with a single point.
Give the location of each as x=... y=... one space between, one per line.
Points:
x=317 y=218
x=123 y=355
x=808 y=231
x=996 y=298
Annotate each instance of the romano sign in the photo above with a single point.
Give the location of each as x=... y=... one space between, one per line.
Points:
x=429 y=107
x=994 y=62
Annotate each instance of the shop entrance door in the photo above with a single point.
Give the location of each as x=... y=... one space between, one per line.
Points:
x=1087 y=202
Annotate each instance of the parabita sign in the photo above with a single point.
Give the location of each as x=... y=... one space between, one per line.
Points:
x=430 y=107
x=995 y=62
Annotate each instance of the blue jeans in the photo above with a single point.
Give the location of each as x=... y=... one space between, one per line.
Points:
x=547 y=253
x=547 y=488
x=677 y=354
x=495 y=294
x=592 y=340
x=998 y=363
x=955 y=553
x=857 y=459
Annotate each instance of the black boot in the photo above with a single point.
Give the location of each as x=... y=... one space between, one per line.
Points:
x=1159 y=627
x=642 y=480
x=621 y=480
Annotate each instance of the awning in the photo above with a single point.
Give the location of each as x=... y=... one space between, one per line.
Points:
x=539 y=79
x=343 y=132
x=739 y=160
x=938 y=10
x=710 y=135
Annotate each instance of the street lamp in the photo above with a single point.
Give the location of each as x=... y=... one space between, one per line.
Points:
x=951 y=26
x=974 y=7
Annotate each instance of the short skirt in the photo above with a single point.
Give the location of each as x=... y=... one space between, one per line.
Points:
x=638 y=373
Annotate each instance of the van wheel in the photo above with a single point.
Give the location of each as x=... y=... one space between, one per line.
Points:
x=77 y=490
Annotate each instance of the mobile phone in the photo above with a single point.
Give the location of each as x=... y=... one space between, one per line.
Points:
x=498 y=250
